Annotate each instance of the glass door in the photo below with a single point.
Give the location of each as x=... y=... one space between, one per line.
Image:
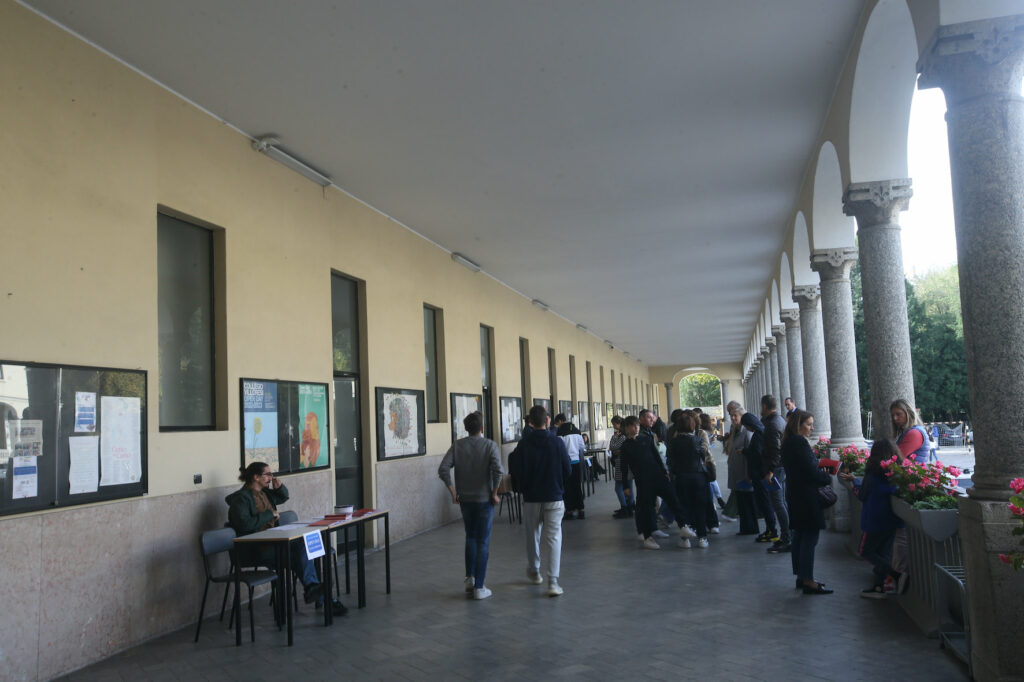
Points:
x=348 y=465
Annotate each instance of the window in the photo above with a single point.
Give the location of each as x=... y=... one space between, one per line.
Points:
x=185 y=287
x=486 y=374
x=431 y=322
x=345 y=324
x=552 y=378
x=524 y=373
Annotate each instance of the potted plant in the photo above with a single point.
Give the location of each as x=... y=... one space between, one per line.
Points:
x=925 y=499
x=822 y=447
x=1016 y=558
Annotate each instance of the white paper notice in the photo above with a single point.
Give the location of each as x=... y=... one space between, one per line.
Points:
x=26 y=478
x=85 y=412
x=84 y=475
x=26 y=436
x=120 y=440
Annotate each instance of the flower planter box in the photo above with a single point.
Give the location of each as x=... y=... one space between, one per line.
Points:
x=937 y=524
x=852 y=541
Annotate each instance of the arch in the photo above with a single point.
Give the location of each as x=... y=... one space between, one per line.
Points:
x=830 y=228
x=767 y=317
x=802 y=273
x=709 y=408
x=883 y=86
x=774 y=298
x=785 y=284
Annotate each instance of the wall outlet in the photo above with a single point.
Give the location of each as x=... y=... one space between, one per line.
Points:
x=197 y=479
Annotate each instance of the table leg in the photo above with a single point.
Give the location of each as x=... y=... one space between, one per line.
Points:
x=237 y=607
x=325 y=564
x=284 y=562
x=360 y=563
x=387 y=550
x=348 y=586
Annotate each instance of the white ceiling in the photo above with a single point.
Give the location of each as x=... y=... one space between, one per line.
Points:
x=633 y=164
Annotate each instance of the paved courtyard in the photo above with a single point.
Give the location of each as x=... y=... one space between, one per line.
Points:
x=726 y=613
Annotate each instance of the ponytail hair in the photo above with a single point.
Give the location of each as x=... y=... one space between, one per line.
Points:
x=249 y=474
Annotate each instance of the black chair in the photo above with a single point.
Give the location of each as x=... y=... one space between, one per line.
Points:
x=214 y=542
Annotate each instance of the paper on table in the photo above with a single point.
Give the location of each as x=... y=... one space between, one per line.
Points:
x=120 y=442
x=26 y=478
x=84 y=474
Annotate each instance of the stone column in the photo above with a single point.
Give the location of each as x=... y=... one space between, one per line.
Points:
x=979 y=66
x=886 y=331
x=670 y=398
x=773 y=366
x=766 y=377
x=782 y=345
x=813 y=346
x=833 y=266
x=795 y=348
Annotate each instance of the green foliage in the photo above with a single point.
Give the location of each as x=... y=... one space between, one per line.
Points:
x=936 y=344
x=700 y=390
x=938 y=502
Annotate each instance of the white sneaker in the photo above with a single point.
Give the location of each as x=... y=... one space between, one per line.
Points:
x=481 y=593
x=554 y=589
x=660 y=534
x=687 y=532
x=649 y=543
x=702 y=543
x=470 y=583
x=684 y=543
x=715 y=531
x=640 y=537
x=534 y=577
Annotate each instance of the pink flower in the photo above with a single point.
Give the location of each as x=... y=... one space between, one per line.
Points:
x=956 y=472
x=1005 y=559
x=884 y=464
x=1016 y=510
x=912 y=486
x=1017 y=485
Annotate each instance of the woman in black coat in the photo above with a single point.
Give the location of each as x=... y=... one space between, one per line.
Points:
x=806 y=517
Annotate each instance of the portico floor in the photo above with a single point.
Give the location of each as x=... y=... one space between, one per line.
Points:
x=726 y=613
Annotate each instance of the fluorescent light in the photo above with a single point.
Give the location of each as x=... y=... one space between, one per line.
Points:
x=582 y=328
x=465 y=262
x=540 y=304
x=267 y=144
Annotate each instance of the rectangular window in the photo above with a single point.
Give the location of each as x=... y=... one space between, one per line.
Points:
x=185 y=327
x=552 y=378
x=345 y=324
x=486 y=378
x=524 y=374
x=433 y=398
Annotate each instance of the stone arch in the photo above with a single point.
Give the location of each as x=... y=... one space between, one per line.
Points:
x=785 y=283
x=830 y=228
x=683 y=374
x=883 y=87
x=802 y=273
x=776 y=307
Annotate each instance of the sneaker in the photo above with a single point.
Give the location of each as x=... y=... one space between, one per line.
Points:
x=338 y=608
x=481 y=593
x=649 y=543
x=660 y=534
x=780 y=548
x=876 y=592
x=684 y=543
x=702 y=543
x=715 y=530
x=554 y=589
x=726 y=517
x=687 y=532
x=534 y=577
x=767 y=536
x=312 y=593
x=470 y=583
x=902 y=583
x=662 y=524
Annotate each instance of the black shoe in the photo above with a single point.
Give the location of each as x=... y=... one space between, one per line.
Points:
x=747 y=532
x=799 y=583
x=779 y=547
x=767 y=536
x=569 y=516
x=581 y=515
x=312 y=593
x=338 y=609
x=817 y=589
x=721 y=503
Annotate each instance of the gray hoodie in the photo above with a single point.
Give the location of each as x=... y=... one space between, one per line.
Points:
x=477 y=463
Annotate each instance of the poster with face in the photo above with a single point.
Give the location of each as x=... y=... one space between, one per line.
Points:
x=313 y=450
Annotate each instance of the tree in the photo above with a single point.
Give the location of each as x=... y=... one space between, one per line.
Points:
x=700 y=390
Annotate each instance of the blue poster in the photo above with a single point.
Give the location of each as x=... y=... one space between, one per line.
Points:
x=259 y=422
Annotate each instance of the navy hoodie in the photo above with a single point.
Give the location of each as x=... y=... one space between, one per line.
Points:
x=540 y=467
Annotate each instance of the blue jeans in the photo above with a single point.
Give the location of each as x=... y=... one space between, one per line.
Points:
x=802 y=553
x=620 y=492
x=777 y=499
x=477 y=517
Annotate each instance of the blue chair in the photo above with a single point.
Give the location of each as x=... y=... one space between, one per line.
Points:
x=211 y=543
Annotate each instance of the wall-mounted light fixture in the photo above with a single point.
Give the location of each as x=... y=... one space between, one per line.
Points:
x=267 y=144
x=465 y=262
x=540 y=304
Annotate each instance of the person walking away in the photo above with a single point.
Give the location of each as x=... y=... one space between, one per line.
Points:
x=774 y=480
x=478 y=473
x=540 y=469
x=576 y=448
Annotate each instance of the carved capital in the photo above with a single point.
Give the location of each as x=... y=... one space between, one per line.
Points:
x=877 y=203
x=778 y=331
x=834 y=264
x=806 y=296
x=770 y=342
x=764 y=352
x=975 y=59
x=791 y=316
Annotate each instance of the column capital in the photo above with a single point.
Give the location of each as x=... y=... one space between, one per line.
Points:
x=791 y=316
x=764 y=352
x=667 y=384
x=770 y=342
x=877 y=203
x=974 y=59
x=778 y=330
x=806 y=296
x=834 y=264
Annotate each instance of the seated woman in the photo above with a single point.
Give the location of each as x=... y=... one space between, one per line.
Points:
x=254 y=508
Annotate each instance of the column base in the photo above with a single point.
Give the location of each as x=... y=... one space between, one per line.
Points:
x=995 y=592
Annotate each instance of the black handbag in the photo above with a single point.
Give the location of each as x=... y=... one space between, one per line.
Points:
x=826 y=496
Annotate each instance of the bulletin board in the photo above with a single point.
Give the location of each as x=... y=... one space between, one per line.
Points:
x=70 y=435
x=285 y=424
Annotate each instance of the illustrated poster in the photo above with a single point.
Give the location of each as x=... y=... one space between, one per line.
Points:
x=401 y=421
x=511 y=420
x=259 y=412
x=313 y=418
x=464 y=405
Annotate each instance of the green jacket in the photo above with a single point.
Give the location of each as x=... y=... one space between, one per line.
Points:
x=242 y=514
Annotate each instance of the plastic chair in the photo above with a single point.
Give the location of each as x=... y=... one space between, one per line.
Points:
x=211 y=543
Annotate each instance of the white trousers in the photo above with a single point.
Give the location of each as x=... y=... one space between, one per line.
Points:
x=543 y=520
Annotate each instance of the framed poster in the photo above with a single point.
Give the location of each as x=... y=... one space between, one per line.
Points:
x=511 y=418
x=599 y=416
x=583 y=412
x=654 y=408
x=285 y=424
x=619 y=411
x=401 y=423
x=463 y=404
x=565 y=407
x=545 y=403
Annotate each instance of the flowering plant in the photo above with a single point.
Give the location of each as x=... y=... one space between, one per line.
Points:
x=822 y=447
x=853 y=459
x=916 y=481
x=1016 y=559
